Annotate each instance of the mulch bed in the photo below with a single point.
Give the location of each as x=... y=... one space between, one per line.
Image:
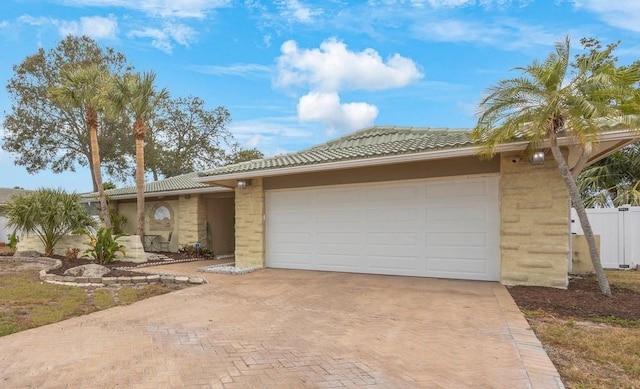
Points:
x=68 y=264
x=582 y=299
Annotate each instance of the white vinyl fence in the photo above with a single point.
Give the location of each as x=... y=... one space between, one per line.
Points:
x=619 y=230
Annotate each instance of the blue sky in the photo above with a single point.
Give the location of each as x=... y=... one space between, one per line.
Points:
x=294 y=73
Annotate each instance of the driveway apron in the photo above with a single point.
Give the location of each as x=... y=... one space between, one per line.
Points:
x=290 y=329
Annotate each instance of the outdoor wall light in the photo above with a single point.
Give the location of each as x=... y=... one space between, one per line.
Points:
x=242 y=184
x=537 y=158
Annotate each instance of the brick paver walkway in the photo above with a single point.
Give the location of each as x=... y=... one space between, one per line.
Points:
x=290 y=329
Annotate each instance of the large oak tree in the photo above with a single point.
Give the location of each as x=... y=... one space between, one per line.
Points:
x=42 y=135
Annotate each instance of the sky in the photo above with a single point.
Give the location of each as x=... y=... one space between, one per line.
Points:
x=295 y=73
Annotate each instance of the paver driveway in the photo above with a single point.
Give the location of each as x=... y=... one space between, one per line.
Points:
x=289 y=329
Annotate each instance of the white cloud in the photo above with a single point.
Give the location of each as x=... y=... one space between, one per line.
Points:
x=332 y=67
x=445 y=3
x=621 y=14
x=253 y=141
x=505 y=33
x=163 y=39
x=36 y=21
x=163 y=8
x=294 y=11
x=253 y=70
x=272 y=135
x=326 y=108
x=97 y=27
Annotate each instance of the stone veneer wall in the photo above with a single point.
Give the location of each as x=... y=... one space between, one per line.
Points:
x=250 y=226
x=535 y=232
x=192 y=219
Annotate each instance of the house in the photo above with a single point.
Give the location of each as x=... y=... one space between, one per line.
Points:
x=406 y=201
x=178 y=211
x=6 y=194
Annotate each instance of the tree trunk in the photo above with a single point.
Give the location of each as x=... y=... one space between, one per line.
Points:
x=577 y=203
x=139 y=133
x=92 y=123
x=92 y=170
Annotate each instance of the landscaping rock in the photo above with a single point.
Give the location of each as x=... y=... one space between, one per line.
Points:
x=182 y=279
x=91 y=271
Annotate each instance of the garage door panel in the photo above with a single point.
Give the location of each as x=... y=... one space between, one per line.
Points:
x=338 y=262
x=338 y=238
x=462 y=189
x=393 y=264
x=386 y=195
x=466 y=266
x=457 y=252
x=336 y=249
x=429 y=228
x=390 y=250
x=398 y=239
x=390 y=215
x=457 y=239
x=294 y=237
x=338 y=198
x=457 y=213
x=293 y=260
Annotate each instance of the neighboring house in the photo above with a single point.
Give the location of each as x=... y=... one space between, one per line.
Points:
x=5 y=196
x=403 y=201
x=178 y=211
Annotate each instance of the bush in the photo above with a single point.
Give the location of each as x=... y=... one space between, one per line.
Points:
x=72 y=253
x=103 y=245
x=13 y=240
x=49 y=214
x=193 y=251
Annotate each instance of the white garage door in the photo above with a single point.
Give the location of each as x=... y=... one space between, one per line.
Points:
x=447 y=228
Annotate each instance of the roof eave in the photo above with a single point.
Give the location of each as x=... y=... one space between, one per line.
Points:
x=621 y=135
x=128 y=196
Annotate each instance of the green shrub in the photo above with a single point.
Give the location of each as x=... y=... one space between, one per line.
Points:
x=193 y=251
x=103 y=245
x=49 y=214
x=13 y=240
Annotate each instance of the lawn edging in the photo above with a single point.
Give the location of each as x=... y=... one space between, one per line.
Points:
x=142 y=279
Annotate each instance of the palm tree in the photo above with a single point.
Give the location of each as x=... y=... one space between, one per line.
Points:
x=48 y=213
x=85 y=88
x=612 y=181
x=557 y=98
x=136 y=95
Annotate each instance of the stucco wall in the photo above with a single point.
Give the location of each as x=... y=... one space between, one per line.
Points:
x=132 y=246
x=249 y=204
x=400 y=171
x=535 y=228
x=220 y=215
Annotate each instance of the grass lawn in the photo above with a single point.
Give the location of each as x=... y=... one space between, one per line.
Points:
x=26 y=302
x=594 y=342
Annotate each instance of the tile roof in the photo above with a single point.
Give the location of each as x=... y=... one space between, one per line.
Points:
x=182 y=182
x=7 y=193
x=367 y=143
